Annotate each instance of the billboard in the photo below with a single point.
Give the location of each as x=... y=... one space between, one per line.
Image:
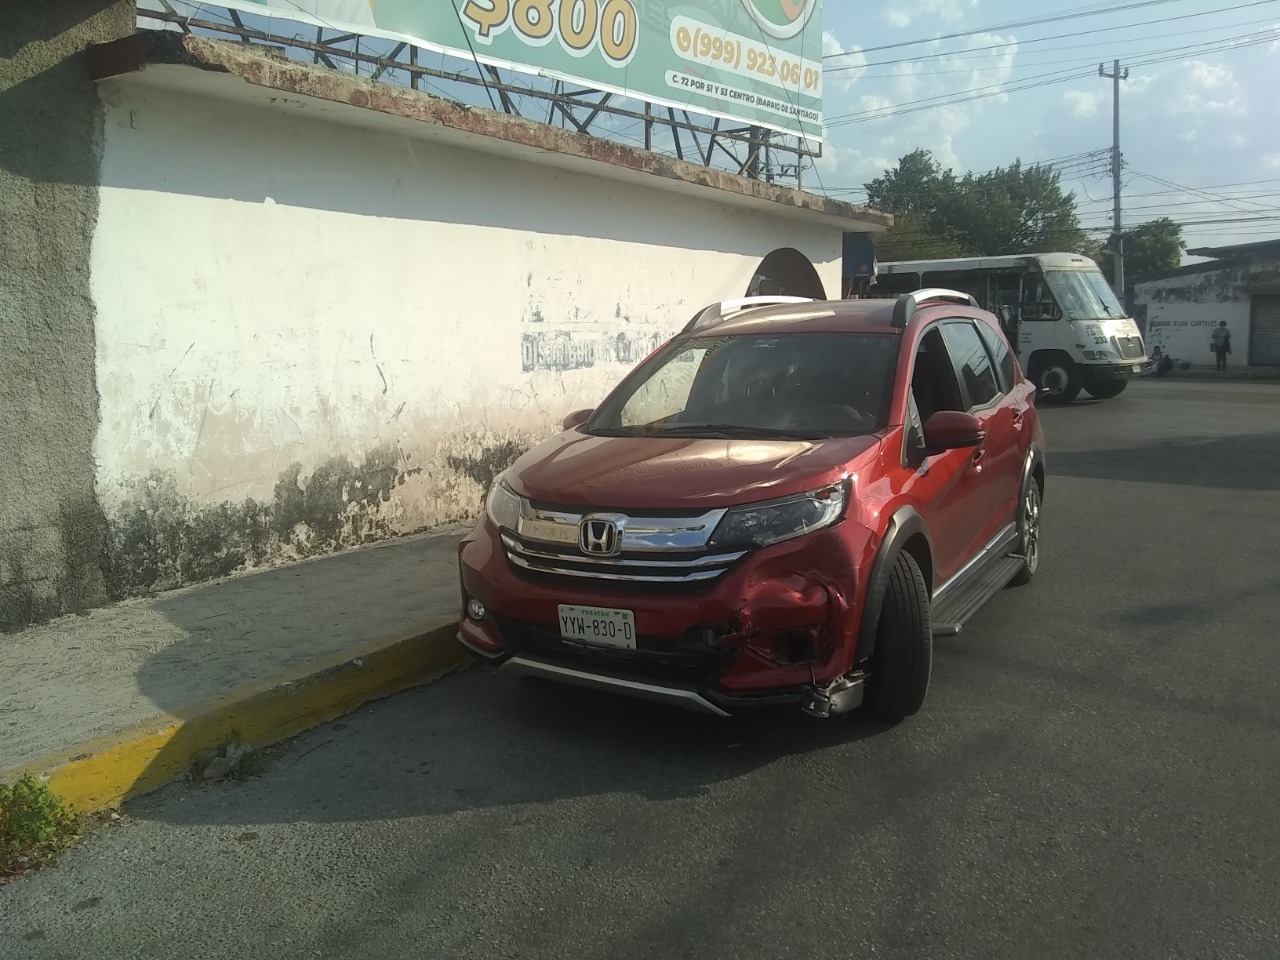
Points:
x=755 y=61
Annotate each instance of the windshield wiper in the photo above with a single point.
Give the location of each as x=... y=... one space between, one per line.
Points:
x=618 y=432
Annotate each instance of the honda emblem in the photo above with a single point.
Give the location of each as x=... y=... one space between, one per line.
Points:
x=601 y=536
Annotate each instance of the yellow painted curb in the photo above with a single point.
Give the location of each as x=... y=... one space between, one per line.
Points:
x=101 y=774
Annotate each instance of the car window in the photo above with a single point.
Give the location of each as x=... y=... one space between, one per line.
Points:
x=757 y=386
x=1005 y=362
x=972 y=363
x=666 y=393
x=933 y=378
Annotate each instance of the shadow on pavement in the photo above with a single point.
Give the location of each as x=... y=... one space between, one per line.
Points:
x=252 y=627
x=1243 y=462
x=225 y=658
x=480 y=740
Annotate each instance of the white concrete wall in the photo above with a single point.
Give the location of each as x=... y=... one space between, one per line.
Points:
x=1183 y=311
x=275 y=290
x=1183 y=329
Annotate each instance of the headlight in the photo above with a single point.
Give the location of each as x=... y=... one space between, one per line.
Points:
x=777 y=520
x=503 y=506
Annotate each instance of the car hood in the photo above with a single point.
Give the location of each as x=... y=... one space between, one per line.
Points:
x=650 y=473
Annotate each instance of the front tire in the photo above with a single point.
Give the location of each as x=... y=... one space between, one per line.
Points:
x=1057 y=379
x=1107 y=389
x=1028 y=532
x=903 y=661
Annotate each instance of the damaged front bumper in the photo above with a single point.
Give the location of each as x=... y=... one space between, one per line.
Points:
x=776 y=629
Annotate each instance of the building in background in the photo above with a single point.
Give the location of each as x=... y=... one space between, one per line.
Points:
x=1239 y=285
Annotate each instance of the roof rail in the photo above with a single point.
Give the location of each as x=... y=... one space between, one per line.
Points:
x=909 y=303
x=708 y=316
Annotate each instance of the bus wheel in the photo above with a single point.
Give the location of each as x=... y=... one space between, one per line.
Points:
x=1057 y=378
x=1107 y=389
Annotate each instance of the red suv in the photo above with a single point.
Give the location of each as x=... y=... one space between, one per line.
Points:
x=785 y=504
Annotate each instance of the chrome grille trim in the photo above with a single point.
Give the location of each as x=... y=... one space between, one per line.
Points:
x=641 y=534
x=621 y=576
x=1130 y=348
x=708 y=560
x=653 y=550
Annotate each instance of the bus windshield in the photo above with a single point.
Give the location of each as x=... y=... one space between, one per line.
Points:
x=1083 y=294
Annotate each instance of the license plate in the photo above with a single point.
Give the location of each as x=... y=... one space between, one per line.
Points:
x=1137 y=368
x=600 y=625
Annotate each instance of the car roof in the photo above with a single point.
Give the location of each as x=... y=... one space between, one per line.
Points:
x=816 y=316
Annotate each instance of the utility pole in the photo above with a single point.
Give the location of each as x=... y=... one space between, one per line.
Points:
x=1115 y=76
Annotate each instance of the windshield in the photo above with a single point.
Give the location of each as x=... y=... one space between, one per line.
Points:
x=1083 y=294
x=789 y=386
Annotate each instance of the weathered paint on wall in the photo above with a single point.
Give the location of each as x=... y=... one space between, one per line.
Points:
x=1182 y=310
x=311 y=335
x=52 y=533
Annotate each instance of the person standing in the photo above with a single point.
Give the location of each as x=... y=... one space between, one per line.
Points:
x=1220 y=344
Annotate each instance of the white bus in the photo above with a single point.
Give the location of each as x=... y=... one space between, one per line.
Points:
x=1068 y=329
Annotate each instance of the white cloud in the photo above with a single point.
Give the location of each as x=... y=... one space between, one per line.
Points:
x=1211 y=76
x=1084 y=104
x=884 y=124
x=847 y=70
x=903 y=12
x=993 y=71
x=897 y=17
x=1206 y=89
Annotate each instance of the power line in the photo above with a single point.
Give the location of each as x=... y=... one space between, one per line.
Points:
x=1193 y=190
x=1270 y=33
x=1013 y=25
x=1029 y=83
x=941 y=100
x=965 y=54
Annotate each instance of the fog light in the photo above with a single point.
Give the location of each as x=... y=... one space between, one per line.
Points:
x=794 y=648
x=475 y=609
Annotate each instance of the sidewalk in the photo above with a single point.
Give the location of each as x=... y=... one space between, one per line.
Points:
x=114 y=702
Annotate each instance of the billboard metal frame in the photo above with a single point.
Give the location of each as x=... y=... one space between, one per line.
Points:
x=749 y=151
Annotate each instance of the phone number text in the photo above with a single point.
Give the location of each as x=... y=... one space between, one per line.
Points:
x=699 y=43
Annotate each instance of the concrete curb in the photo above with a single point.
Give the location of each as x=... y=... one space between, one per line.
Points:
x=102 y=773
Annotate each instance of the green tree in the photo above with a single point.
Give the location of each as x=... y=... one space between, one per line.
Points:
x=911 y=238
x=1151 y=248
x=1009 y=210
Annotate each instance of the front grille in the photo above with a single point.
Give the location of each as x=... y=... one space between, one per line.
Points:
x=1131 y=348
x=657 y=659
x=660 y=568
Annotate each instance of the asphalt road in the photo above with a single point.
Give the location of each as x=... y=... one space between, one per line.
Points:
x=1096 y=773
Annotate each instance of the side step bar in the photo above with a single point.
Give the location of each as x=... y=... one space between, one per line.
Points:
x=674 y=696
x=950 y=616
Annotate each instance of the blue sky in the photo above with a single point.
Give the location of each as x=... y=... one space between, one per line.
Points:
x=1200 y=113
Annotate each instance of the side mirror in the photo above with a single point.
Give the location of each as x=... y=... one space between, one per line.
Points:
x=576 y=419
x=952 y=430
x=1006 y=314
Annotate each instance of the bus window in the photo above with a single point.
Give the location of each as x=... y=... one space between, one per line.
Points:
x=1037 y=300
x=1006 y=291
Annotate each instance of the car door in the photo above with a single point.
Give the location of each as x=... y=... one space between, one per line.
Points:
x=945 y=488
x=997 y=462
